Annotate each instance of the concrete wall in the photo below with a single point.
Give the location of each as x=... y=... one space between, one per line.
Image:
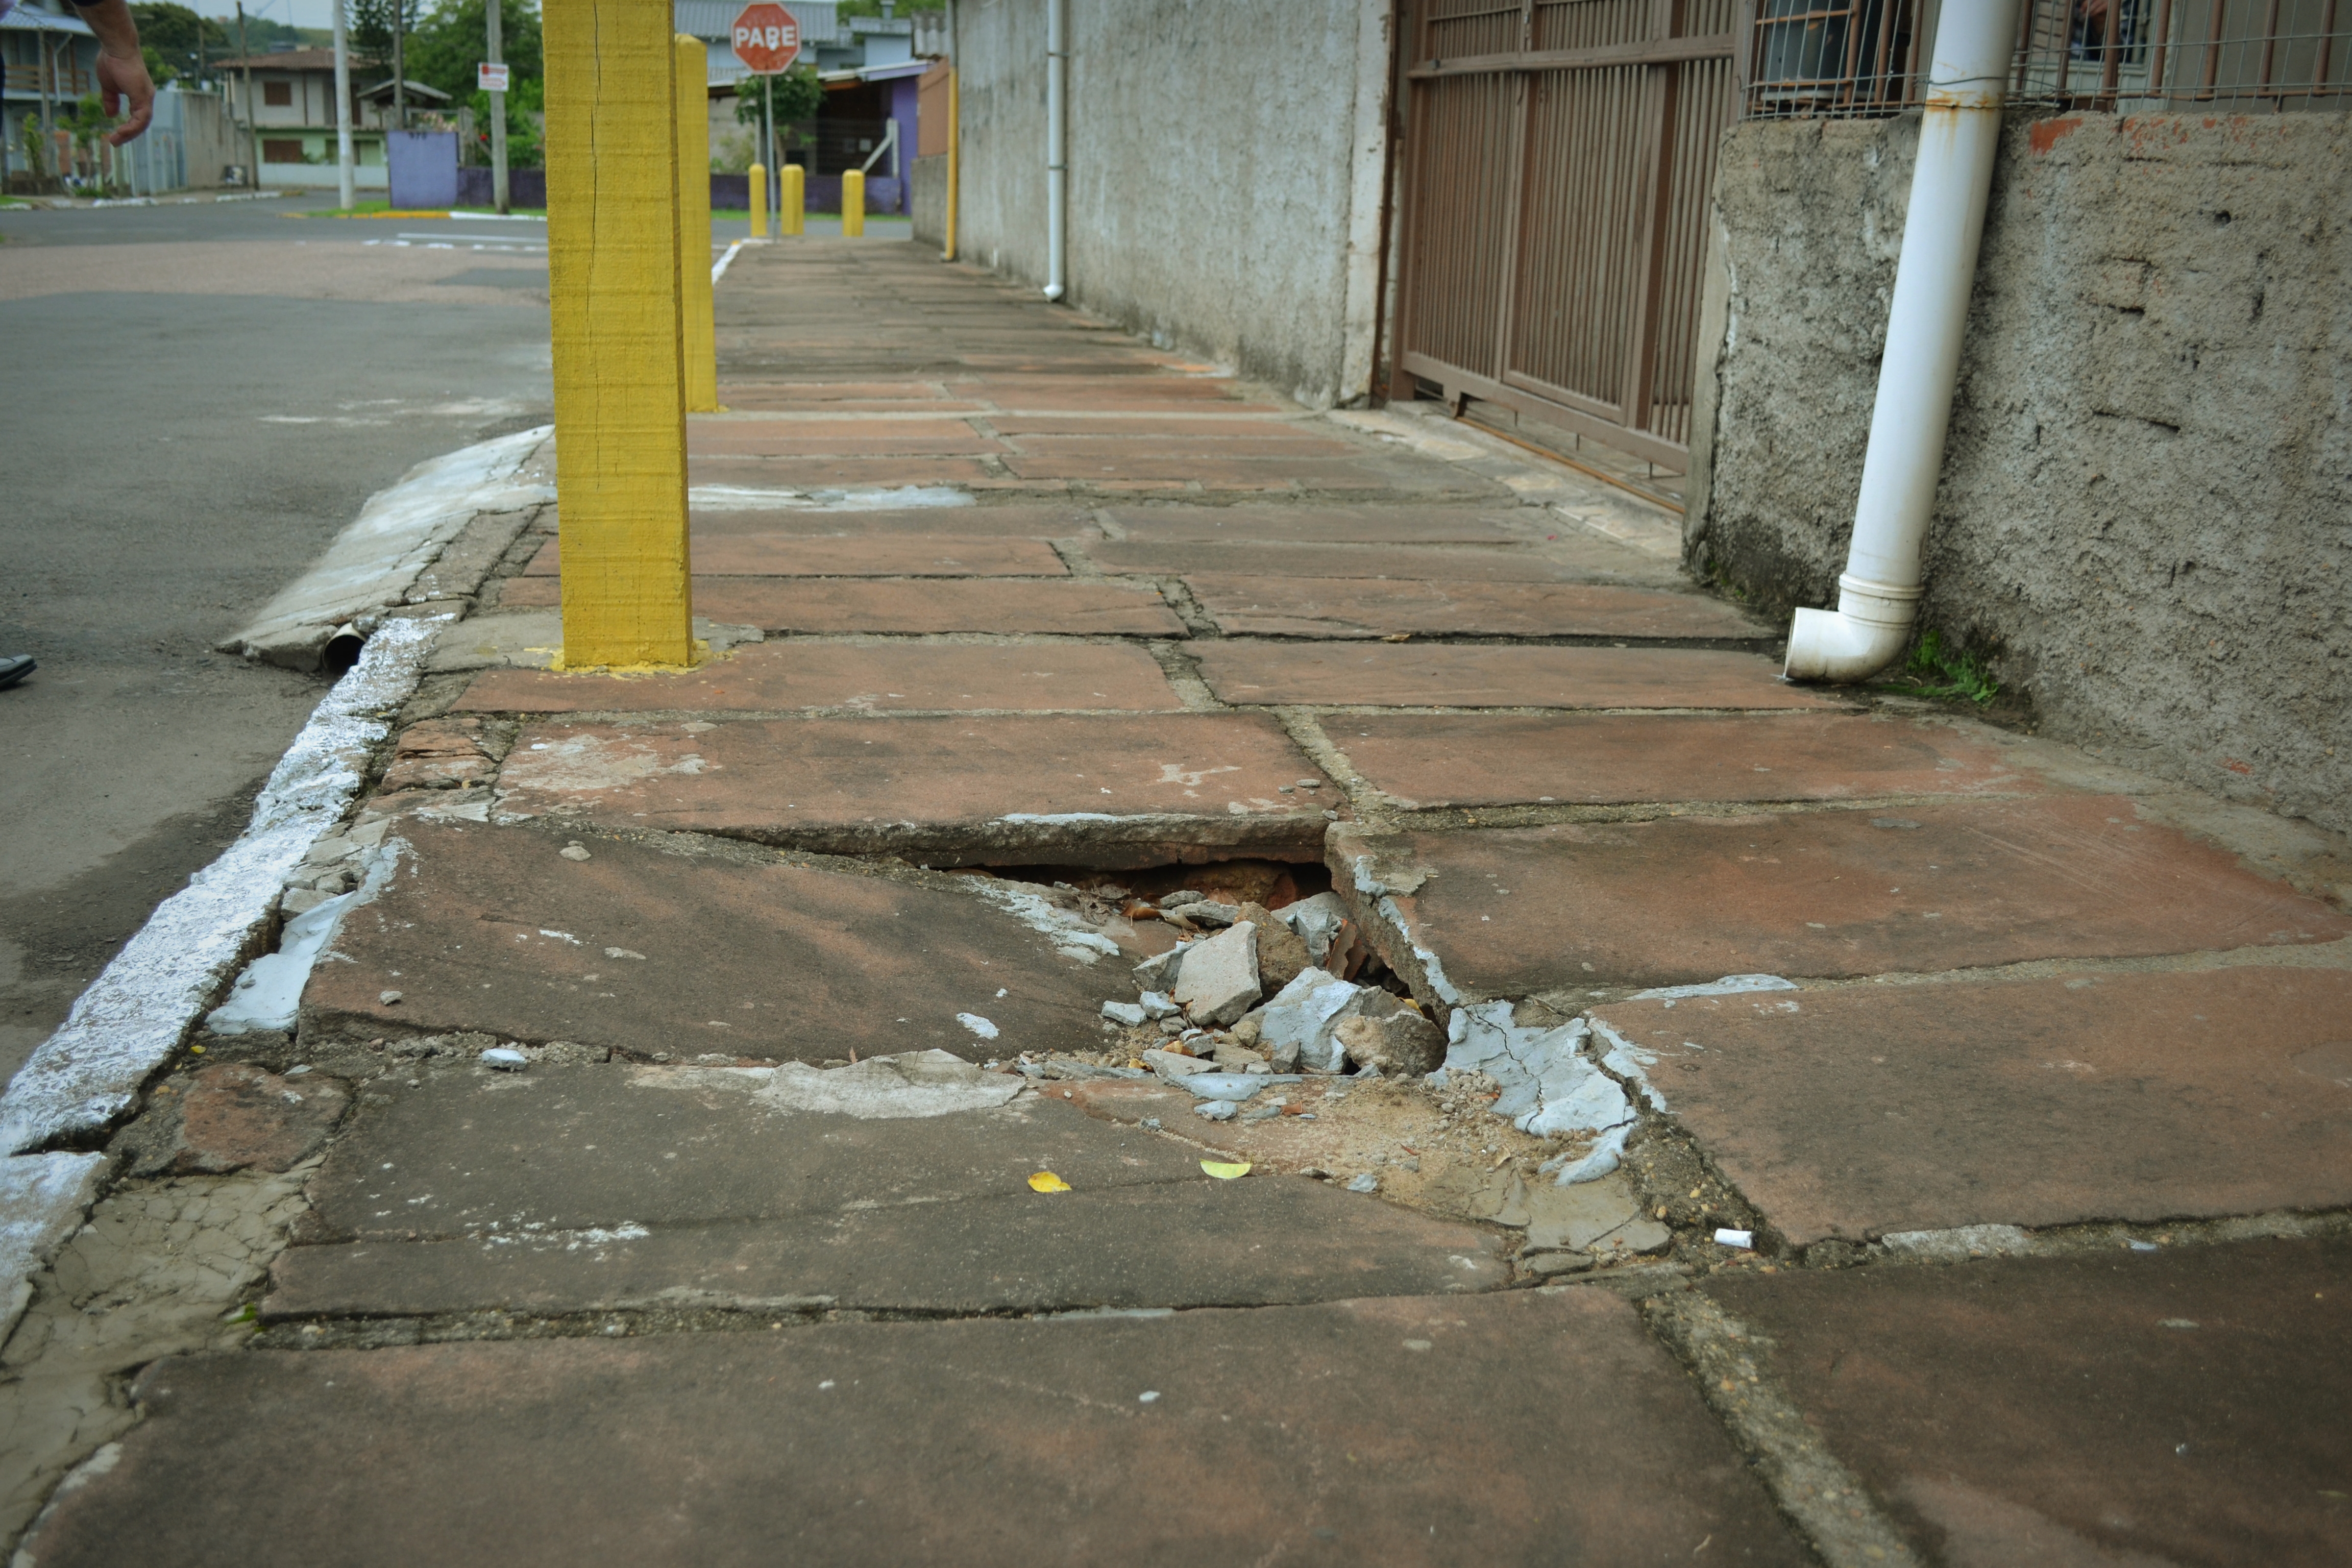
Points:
x=1225 y=171
x=2146 y=512
x=929 y=179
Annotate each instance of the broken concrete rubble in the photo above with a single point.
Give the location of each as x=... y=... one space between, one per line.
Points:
x=1402 y=1042
x=1218 y=981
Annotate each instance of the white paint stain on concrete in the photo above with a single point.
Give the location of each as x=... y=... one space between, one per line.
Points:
x=43 y=1198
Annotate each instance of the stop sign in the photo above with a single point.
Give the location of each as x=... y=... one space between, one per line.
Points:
x=767 y=39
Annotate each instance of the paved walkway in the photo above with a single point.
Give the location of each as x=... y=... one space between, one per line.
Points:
x=827 y=1215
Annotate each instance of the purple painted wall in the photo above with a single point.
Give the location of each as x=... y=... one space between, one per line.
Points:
x=525 y=187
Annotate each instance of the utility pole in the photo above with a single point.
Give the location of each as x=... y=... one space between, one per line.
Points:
x=344 y=177
x=252 y=130
x=491 y=13
x=399 y=67
x=768 y=143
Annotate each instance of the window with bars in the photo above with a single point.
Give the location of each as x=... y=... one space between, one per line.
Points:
x=1870 y=57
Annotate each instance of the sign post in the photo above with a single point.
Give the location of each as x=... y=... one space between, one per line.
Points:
x=491 y=76
x=767 y=39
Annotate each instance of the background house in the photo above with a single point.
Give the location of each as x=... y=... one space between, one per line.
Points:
x=290 y=105
x=47 y=56
x=868 y=119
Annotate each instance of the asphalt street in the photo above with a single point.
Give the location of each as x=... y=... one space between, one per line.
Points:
x=200 y=397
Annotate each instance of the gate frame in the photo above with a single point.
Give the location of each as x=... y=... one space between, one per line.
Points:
x=1549 y=404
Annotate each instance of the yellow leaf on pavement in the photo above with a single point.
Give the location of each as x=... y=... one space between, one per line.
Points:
x=1047 y=1181
x=1225 y=1172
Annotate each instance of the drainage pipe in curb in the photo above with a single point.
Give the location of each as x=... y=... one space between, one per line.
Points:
x=1878 y=593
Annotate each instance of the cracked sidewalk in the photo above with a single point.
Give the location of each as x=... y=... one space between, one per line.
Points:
x=2037 y=1130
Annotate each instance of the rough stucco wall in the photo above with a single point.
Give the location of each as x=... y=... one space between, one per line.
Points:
x=1213 y=170
x=929 y=177
x=2146 y=511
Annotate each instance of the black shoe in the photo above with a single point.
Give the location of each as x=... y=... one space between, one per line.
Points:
x=15 y=668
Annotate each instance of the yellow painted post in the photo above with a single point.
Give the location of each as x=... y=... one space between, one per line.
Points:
x=620 y=392
x=793 y=219
x=694 y=223
x=853 y=203
x=759 y=201
x=955 y=148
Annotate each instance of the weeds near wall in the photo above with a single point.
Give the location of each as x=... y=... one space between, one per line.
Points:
x=1933 y=670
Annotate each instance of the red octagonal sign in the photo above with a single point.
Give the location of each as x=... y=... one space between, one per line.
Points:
x=767 y=39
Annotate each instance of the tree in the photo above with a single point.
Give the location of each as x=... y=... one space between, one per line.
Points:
x=371 y=24
x=172 y=31
x=799 y=95
x=445 y=47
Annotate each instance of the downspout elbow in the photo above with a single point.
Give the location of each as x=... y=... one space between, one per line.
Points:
x=1862 y=635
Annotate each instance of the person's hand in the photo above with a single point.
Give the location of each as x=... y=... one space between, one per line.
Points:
x=124 y=87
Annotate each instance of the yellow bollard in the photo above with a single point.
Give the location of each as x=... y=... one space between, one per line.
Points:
x=853 y=203
x=759 y=202
x=793 y=219
x=694 y=223
x=955 y=153
x=620 y=395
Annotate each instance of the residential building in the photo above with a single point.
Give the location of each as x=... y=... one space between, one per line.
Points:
x=47 y=59
x=291 y=109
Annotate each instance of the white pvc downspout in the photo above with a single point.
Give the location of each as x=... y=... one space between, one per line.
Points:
x=1878 y=594
x=1058 y=169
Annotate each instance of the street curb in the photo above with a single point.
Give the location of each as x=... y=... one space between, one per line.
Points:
x=375 y=563
x=135 y=1015
x=132 y=1018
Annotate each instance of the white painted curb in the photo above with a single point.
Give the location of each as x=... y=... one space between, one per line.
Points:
x=135 y=1014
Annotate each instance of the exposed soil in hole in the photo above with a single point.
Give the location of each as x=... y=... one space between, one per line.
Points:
x=1273 y=883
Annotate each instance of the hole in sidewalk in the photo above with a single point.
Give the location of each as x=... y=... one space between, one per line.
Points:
x=1273 y=883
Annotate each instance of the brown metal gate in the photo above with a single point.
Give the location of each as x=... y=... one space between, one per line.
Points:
x=1559 y=160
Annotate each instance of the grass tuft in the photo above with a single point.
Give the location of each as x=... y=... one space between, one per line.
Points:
x=1933 y=670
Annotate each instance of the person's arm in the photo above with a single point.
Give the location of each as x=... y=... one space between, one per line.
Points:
x=124 y=87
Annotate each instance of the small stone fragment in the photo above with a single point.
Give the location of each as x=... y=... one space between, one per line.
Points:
x=1219 y=982
x=1158 y=1004
x=1211 y=916
x=502 y=1058
x=1316 y=920
x=1173 y=1065
x=1131 y=1013
x=1403 y=1042
x=388 y=998
x=1159 y=971
x=1367 y=1183
x=573 y=852
x=1216 y=1109
x=1545 y=1265
x=1281 y=954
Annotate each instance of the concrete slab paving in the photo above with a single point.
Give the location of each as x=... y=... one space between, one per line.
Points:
x=1582 y=561
x=641 y=950
x=828 y=474
x=564 y=1151
x=1425 y=760
x=1099 y=788
x=2137 y=1409
x=1523 y=1427
x=1937 y=886
x=1268 y=1241
x=1358 y=607
x=862 y=676
x=845 y=604
x=1319 y=523
x=1433 y=675
x=1857 y=1112
x=861 y=555
x=1017 y=521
